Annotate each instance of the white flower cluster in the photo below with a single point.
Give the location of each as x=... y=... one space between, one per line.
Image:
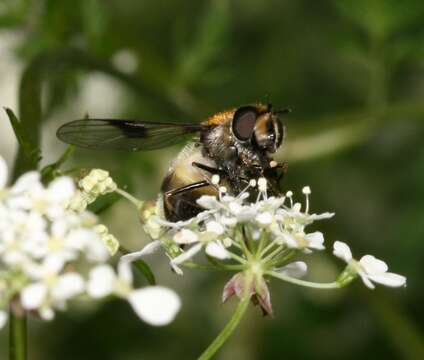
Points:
x=257 y=238
x=278 y=219
x=50 y=254
x=370 y=269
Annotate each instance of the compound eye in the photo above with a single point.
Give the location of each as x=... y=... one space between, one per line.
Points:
x=244 y=122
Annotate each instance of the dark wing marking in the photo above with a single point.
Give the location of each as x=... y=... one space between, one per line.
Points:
x=124 y=134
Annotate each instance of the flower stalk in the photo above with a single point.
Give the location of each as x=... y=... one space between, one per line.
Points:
x=232 y=324
x=17 y=333
x=332 y=285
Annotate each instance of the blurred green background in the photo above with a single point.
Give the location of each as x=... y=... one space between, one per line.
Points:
x=353 y=73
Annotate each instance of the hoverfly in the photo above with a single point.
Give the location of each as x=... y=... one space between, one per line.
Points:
x=236 y=144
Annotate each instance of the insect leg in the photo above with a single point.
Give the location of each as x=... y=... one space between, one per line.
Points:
x=186 y=188
x=207 y=168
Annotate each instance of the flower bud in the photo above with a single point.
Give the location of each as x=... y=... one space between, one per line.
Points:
x=97 y=182
x=112 y=244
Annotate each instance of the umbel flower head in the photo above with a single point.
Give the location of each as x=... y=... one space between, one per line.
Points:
x=257 y=240
x=51 y=253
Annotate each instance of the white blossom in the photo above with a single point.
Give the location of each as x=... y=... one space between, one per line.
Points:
x=155 y=305
x=370 y=269
x=300 y=240
x=213 y=230
x=51 y=252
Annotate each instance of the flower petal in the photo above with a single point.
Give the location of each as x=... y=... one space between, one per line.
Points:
x=46 y=313
x=3 y=177
x=290 y=240
x=62 y=189
x=27 y=181
x=208 y=202
x=217 y=250
x=186 y=255
x=315 y=240
x=366 y=280
x=125 y=272
x=68 y=286
x=389 y=279
x=233 y=287
x=264 y=297
x=156 y=305
x=264 y=218
x=296 y=269
x=3 y=317
x=150 y=248
x=372 y=265
x=215 y=227
x=33 y=295
x=101 y=281
x=342 y=251
x=185 y=236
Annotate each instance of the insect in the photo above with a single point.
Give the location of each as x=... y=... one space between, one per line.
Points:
x=236 y=144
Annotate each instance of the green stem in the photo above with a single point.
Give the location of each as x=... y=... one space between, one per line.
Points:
x=240 y=240
x=261 y=245
x=282 y=258
x=17 y=335
x=274 y=253
x=333 y=285
x=221 y=267
x=137 y=203
x=231 y=325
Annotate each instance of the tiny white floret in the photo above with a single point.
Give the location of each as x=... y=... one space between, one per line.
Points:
x=215 y=179
x=156 y=305
x=262 y=185
x=306 y=190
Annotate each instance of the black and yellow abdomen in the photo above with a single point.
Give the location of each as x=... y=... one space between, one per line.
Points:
x=179 y=188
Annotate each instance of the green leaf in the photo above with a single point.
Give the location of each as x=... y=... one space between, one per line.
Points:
x=146 y=271
x=30 y=153
x=141 y=266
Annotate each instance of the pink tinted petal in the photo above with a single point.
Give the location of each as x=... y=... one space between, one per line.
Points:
x=233 y=287
x=264 y=297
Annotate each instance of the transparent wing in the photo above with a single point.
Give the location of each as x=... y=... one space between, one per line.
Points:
x=130 y=135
